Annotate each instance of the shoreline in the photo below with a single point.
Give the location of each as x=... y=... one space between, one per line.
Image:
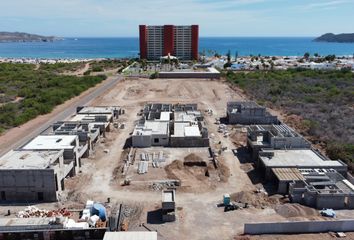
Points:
x=75 y=60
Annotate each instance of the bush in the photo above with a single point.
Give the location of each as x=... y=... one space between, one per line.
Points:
x=154 y=75
x=40 y=89
x=97 y=69
x=323 y=98
x=87 y=73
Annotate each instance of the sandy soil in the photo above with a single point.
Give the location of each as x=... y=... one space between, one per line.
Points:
x=198 y=216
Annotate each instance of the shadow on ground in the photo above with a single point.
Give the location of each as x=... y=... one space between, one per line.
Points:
x=155 y=217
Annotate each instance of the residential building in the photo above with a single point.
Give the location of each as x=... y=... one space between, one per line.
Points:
x=273 y=137
x=178 y=41
x=33 y=175
x=249 y=113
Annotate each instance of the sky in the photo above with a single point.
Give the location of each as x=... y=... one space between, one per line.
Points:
x=120 y=18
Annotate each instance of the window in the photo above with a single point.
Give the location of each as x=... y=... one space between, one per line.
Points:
x=40 y=196
x=156 y=140
x=3 y=195
x=56 y=182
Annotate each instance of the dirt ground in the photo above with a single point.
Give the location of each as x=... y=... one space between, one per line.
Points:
x=198 y=214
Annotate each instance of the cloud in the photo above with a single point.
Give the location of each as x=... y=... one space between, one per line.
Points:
x=325 y=5
x=121 y=17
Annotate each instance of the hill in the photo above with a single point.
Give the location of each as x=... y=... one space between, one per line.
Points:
x=340 y=38
x=25 y=37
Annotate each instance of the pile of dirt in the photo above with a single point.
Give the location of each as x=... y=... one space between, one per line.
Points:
x=295 y=210
x=238 y=138
x=255 y=199
x=192 y=158
x=224 y=172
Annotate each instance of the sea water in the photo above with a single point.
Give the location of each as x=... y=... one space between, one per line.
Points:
x=129 y=47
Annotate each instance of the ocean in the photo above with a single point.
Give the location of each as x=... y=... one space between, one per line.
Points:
x=72 y=48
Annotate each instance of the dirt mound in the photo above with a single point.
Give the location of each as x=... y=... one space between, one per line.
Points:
x=295 y=210
x=193 y=158
x=194 y=178
x=224 y=172
x=257 y=200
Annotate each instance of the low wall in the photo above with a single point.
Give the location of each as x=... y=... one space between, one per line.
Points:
x=210 y=75
x=299 y=227
x=189 y=142
x=350 y=178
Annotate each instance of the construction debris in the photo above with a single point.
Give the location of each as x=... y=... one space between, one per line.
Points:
x=143 y=167
x=158 y=186
x=34 y=212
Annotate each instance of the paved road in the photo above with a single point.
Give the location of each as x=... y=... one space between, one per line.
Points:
x=106 y=85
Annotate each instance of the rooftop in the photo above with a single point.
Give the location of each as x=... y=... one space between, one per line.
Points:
x=165 y=116
x=287 y=174
x=168 y=196
x=184 y=129
x=13 y=222
x=47 y=142
x=17 y=159
x=296 y=158
x=89 y=117
x=97 y=110
x=152 y=128
x=130 y=236
x=184 y=117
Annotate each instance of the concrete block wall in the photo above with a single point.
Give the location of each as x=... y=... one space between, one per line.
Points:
x=237 y=118
x=163 y=140
x=189 y=142
x=141 y=140
x=209 y=75
x=289 y=142
x=334 y=201
x=350 y=201
x=310 y=198
x=299 y=227
x=27 y=185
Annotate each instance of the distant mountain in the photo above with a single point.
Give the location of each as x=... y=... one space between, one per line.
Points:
x=25 y=37
x=340 y=38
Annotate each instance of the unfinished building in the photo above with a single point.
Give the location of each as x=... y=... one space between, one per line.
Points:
x=88 y=133
x=322 y=188
x=177 y=125
x=73 y=151
x=248 y=113
x=188 y=130
x=168 y=205
x=98 y=117
x=273 y=137
x=29 y=176
x=115 y=111
x=151 y=133
x=300 y=159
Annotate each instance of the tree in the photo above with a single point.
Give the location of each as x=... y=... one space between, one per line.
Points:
x=236 y=56
x=316 y=55
x=330 y=58
x=228 y=56
x=307 y=55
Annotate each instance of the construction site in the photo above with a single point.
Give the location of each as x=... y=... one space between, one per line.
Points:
x=184 y=158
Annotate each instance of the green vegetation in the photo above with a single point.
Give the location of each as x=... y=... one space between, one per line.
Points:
x=62 y=67
x=154 y=75
x=26 y=93
x=323 y=99
x=105 y=65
